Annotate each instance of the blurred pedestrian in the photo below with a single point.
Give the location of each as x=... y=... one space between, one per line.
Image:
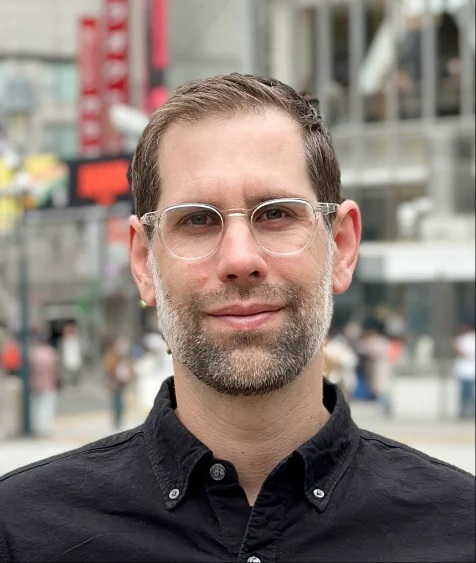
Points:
x=11 y=356
x=363 y=391
x=71 y=355
x=44 y=363
x=396 y=350
x=152 y=368
x=119 y=370
x=341 y=362
x=424 y=352
x=464 y=368
x=374 y=347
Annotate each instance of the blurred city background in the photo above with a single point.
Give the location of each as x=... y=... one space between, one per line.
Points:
x=78 y=79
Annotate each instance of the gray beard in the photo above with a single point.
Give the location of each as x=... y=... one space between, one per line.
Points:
x=247 y=363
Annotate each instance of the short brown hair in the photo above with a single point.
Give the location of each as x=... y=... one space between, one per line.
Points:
x=226 y=96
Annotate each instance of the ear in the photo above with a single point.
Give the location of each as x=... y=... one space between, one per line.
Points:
x=138 y=251
x=347 y=232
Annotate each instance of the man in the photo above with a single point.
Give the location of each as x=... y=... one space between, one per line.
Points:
x=119 y=370
x=44 y=361
x=71 y=355
x=239 y=241
x=464 y=348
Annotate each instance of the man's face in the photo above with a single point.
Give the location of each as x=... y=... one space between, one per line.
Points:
x=242 y=321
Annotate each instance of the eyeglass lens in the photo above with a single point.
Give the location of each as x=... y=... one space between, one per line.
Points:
x=194 y=231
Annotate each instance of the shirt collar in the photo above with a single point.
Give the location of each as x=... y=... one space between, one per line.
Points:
x=175 y=452
x=328 y=453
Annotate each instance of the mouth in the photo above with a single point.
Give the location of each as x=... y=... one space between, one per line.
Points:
x=241 y=317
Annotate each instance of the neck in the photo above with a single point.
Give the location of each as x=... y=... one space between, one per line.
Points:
x=252 y=433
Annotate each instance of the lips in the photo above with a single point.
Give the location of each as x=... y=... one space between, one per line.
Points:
x=246 y=317
x=245 y=310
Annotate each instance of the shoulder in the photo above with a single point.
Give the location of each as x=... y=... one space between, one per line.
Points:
x=405 y=467
x=435 y=496
x=50 y=505
x=70 y=469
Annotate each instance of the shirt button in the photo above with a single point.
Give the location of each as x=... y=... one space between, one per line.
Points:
x=318 y=493
x=217 y=471
x=253 y=559
x=174 y=493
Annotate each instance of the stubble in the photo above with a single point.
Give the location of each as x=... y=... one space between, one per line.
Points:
x=246 y=363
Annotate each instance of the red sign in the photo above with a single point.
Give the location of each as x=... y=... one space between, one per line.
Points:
x=115 y=67
x=102 y=182
x=89 y=88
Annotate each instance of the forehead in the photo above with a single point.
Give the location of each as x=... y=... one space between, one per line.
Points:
x=233 y=160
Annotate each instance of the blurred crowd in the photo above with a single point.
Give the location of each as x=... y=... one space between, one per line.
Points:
x=361 y=357
x=364 y=357
x=56 y=366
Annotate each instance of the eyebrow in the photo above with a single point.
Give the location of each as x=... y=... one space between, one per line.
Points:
x=257 y=199
x=253 y=201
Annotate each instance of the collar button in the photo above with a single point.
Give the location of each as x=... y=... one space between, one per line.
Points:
x=217 y=471
x=174 y=493
x=318 y=493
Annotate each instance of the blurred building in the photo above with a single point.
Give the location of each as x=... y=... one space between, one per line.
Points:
x=395 y=82
x=396 y=86
x=76 y=252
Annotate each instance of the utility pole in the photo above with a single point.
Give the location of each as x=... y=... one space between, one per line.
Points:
x=18 y=107
x=22 y=239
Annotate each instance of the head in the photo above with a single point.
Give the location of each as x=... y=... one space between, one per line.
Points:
x=241 y=320
x=40 y=336
x=372 y=326
x=226 y=97
x=70 y=329
x=121 y=345
x=466 y=324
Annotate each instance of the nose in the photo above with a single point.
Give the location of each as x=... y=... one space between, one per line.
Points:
x=240 y=259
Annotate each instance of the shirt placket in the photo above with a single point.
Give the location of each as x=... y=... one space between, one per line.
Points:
x=228 y=502
x=265 y=526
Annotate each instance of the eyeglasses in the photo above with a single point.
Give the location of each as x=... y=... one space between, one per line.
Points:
x=192 y=231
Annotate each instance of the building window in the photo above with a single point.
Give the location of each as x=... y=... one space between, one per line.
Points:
x=61 y=83
x=61 y=139
x=2 y=83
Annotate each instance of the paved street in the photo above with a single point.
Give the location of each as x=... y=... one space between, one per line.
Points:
x=84 y=416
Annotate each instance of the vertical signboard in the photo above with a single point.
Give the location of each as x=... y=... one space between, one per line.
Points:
x=89 y=111
x=115 y=67
x=157 y=53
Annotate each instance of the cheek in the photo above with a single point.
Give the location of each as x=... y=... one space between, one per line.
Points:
x=301 y=270
x=182 y=280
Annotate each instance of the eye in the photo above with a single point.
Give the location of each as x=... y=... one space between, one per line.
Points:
x=273 y=213
x=200 y=219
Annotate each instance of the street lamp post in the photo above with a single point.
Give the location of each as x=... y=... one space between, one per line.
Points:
x=19 y=193
x=22 y=241
x=18 y=104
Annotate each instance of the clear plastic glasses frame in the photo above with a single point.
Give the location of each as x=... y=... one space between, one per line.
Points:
x=281 y=235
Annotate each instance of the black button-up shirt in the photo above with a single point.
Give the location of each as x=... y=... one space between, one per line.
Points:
x=155 y=493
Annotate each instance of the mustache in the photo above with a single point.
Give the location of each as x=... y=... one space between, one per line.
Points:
x=268 y=293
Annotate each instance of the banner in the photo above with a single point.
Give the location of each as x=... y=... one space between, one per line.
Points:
x=89 y=114
x=157 y=53
x=115 y=67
